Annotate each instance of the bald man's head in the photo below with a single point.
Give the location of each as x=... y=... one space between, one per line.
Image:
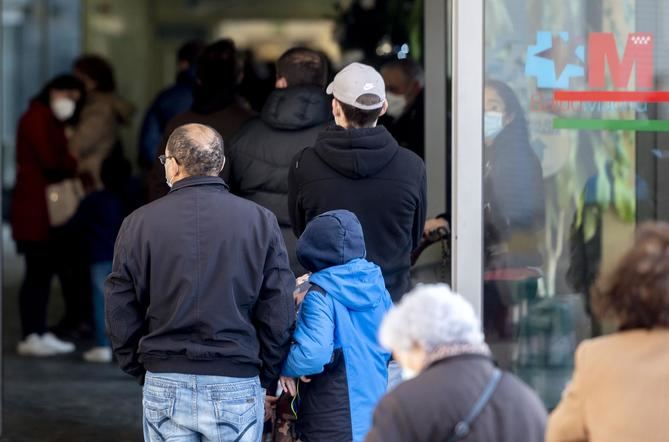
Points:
x=197 y=148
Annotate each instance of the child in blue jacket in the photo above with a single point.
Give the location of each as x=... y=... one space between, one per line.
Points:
x=336 y=357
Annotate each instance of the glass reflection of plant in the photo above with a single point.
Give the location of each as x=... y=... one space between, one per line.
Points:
x=612 y=189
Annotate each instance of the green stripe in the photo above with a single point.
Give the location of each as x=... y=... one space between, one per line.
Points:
x=637 y=125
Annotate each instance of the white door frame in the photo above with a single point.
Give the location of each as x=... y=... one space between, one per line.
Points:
x=466 y=38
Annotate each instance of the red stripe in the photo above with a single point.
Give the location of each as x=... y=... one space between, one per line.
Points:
x=623 y=96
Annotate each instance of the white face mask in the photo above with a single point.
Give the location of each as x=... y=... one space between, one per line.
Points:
x=63 y=108
x=408 y=374
x=493 y=123
x=396 y=104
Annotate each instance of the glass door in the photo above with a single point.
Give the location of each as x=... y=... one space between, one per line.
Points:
x=574 y=158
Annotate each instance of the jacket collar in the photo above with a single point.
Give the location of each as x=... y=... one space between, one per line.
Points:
x=198 y=181
x=457 y=351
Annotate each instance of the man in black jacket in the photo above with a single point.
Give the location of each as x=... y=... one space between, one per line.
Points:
x=200 y=299
x=358 y=166
x=294 y=114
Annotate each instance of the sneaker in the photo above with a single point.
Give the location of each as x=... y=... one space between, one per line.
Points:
x=59 y=346
x=100 y=355
x=34 y=345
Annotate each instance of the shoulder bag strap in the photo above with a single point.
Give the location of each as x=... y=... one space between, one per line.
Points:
x=463 y=427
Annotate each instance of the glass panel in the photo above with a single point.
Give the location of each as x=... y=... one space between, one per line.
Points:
x=573 y=161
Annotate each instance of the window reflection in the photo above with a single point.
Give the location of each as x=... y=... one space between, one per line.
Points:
x=565 y=182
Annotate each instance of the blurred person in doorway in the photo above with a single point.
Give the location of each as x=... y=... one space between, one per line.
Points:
x=96 y=136
x=216 y=103
x=453 y=391
x=261 y=153
x=336 y=366
x=169 y=103
x=43 y=158
x=199 y=305
x=620 y=382
x=405 y=92
x=99 y=218
x=358 y=166
x=258 y=79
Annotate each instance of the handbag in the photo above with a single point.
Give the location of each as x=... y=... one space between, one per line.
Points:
x=62 y=200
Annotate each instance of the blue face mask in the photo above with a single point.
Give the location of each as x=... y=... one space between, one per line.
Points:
x=493 y=123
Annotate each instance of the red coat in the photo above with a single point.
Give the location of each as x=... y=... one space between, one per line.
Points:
x=42 y=158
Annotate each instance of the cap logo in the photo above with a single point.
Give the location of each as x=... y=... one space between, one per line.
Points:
x=368 y=86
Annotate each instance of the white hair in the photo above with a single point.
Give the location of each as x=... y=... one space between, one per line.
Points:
x=430 y=316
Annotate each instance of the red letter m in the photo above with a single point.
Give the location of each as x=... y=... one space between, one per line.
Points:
x=638 y=52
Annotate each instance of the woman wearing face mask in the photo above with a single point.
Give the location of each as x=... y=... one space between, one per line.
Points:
x=436 y=337
x=513 y=188
x=513 y=180
x=42 y=159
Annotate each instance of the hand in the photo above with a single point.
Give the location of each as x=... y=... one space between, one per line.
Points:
x=270 y=405
x=288 y=385
x=433 y=224
x=300 y=292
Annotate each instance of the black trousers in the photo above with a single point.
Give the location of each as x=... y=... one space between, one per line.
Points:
x=61 y=256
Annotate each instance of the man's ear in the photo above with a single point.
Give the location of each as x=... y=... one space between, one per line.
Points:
x=223 y=166
x=281 y=83
x=384 y=109
x=336 y=108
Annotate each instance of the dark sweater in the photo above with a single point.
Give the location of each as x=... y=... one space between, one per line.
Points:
x=367 y=172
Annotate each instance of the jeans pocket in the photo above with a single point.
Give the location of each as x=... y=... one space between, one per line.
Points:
x=237 y=414
x=158 y=405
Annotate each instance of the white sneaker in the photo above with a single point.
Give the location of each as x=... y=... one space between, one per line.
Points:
x=34 y=345
x=59 y=346
x=100 y=355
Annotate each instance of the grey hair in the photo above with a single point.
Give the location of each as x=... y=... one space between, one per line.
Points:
x=430 y=316
x=198 y=149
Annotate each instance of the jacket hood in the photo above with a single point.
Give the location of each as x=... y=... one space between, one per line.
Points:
x=331 y=239
x=358 y=285
x=295 y=108
x=356 y=153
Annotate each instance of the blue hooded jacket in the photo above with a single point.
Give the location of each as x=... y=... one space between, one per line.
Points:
x=336 y=340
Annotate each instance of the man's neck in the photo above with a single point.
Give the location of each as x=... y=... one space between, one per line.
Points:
x=348 y=126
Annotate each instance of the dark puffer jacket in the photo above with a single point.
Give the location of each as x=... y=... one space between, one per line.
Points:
x=260 y=154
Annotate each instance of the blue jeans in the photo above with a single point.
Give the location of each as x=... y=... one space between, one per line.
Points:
x=202 y=408
x=99 y=272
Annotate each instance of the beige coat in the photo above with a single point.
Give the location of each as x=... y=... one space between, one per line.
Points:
x=97 y=132
x=619 y=392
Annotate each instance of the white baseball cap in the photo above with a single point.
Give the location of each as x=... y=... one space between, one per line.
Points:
x=355 y=80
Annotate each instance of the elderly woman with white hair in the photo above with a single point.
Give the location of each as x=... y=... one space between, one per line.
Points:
x=453 y=390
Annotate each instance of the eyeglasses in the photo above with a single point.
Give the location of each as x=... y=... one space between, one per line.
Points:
x=163 y=159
